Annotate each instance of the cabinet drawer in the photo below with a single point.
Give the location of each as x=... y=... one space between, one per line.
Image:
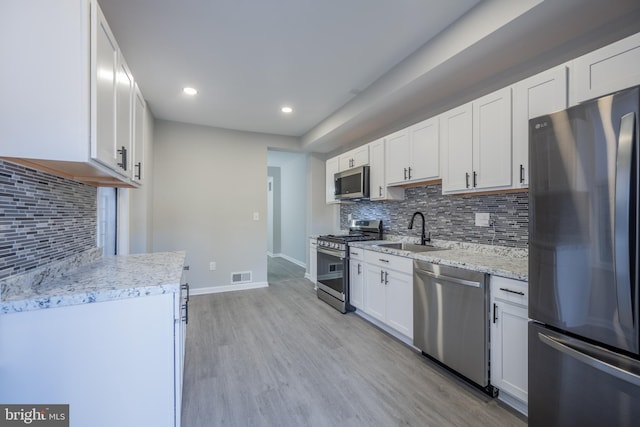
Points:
x=509 y=290
x=390 y=262
x=356 y=254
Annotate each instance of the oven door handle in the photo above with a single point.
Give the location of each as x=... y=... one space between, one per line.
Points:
x=332 y=252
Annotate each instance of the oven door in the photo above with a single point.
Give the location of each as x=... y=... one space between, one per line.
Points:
x=332 y=272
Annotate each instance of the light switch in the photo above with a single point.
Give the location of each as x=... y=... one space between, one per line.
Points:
x=256 y=216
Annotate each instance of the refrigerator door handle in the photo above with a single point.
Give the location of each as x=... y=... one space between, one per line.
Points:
x=579 y=354
x=622 y=245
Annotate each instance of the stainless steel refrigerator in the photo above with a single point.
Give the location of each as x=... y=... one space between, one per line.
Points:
x=584 y=340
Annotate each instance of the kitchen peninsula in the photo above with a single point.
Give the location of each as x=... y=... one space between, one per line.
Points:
x=97 y=332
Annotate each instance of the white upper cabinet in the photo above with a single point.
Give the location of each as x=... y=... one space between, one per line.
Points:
x=477 y=144
x=377 y=170
x=354 y=158
x=74 y=82
x=332 y=166
x=413 y=154
x=139 y=108
x=606 y=70
x=492 y=141
x=105 y=90
x=457 y=144
x=541 y=94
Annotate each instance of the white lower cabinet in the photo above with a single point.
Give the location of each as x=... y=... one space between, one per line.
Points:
x=312 y=272
x=388 y=290
x=356 y=277
x=509 y=349
x=115 y=363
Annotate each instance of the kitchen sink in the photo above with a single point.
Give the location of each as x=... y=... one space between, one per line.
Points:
x=412 y=247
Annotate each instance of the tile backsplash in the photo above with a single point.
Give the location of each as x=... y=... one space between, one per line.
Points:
x=450 y=217
x=43 y=218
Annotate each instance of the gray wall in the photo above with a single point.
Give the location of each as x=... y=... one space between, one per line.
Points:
x=141 y=199
x=43 y=218
x=450 y=217
x=208 y=182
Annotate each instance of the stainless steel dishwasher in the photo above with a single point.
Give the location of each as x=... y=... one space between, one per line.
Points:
x=451 y=319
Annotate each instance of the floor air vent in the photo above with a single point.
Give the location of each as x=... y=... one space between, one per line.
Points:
x=241 y=277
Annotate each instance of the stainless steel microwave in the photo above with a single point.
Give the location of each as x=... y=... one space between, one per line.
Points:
x=352 y=183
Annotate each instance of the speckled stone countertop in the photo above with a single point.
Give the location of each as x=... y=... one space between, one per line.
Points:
x=497 y=260
x=89 y=278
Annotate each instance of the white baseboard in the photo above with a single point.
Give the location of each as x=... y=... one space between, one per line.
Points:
x=288 y=258
x=228 y=288
x=514 y=402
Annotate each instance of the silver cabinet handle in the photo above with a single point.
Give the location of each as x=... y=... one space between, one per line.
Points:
x=409 y=172
x=383 y=260
x=386 y=277
x=359 y=269
x=381 y=276
x=475 y=179
x=521 y=174
x=495 y=312
x=405 y=174
x=380 y=191
x=466 y=179
x=511 y=291
x=623 y=209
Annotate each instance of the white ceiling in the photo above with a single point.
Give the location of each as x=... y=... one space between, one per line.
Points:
x=353 y=70
x=247 y=58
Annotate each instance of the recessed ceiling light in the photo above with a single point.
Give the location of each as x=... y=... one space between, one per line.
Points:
x=286 y=110
x=189 y=91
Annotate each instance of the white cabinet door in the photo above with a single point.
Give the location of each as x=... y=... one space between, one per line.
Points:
x=354 y=158
x=541 y=94
x=424 y=150
x=509 y=349
x=115 y=354
x=377 y=186
x=377 y=182
x=606 y=70
x=397 y=155
x=399 y=295
x=139 y=107
x=332 y=166
x=124 y=117
x=509 y=345
x=104 y=143
x=356 y=283
x=492 y=141
x=313 y=260
x=457 y=144
x=375 y=292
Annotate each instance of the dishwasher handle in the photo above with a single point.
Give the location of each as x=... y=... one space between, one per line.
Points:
x=449 y=278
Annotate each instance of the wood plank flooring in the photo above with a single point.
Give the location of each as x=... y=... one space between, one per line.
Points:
x=278 y=356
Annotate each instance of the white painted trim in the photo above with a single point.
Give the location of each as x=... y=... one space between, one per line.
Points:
x=228 y=288
x=514 y=402
x=293 y=260
x=270 y=254
x=386 y=328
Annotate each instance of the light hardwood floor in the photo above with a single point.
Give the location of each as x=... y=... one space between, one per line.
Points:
x=278 y=356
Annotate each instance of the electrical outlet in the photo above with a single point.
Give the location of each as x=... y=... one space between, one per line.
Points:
x=482 y=219
x=212 y=265
x=256 y=216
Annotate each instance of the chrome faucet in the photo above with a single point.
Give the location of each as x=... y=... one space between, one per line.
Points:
x=423 y=238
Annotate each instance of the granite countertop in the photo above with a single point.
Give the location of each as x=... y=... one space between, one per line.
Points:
x=497 y=260
x=90 y=278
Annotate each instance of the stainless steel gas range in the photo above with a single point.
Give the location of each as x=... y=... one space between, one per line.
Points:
x=333 y=262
